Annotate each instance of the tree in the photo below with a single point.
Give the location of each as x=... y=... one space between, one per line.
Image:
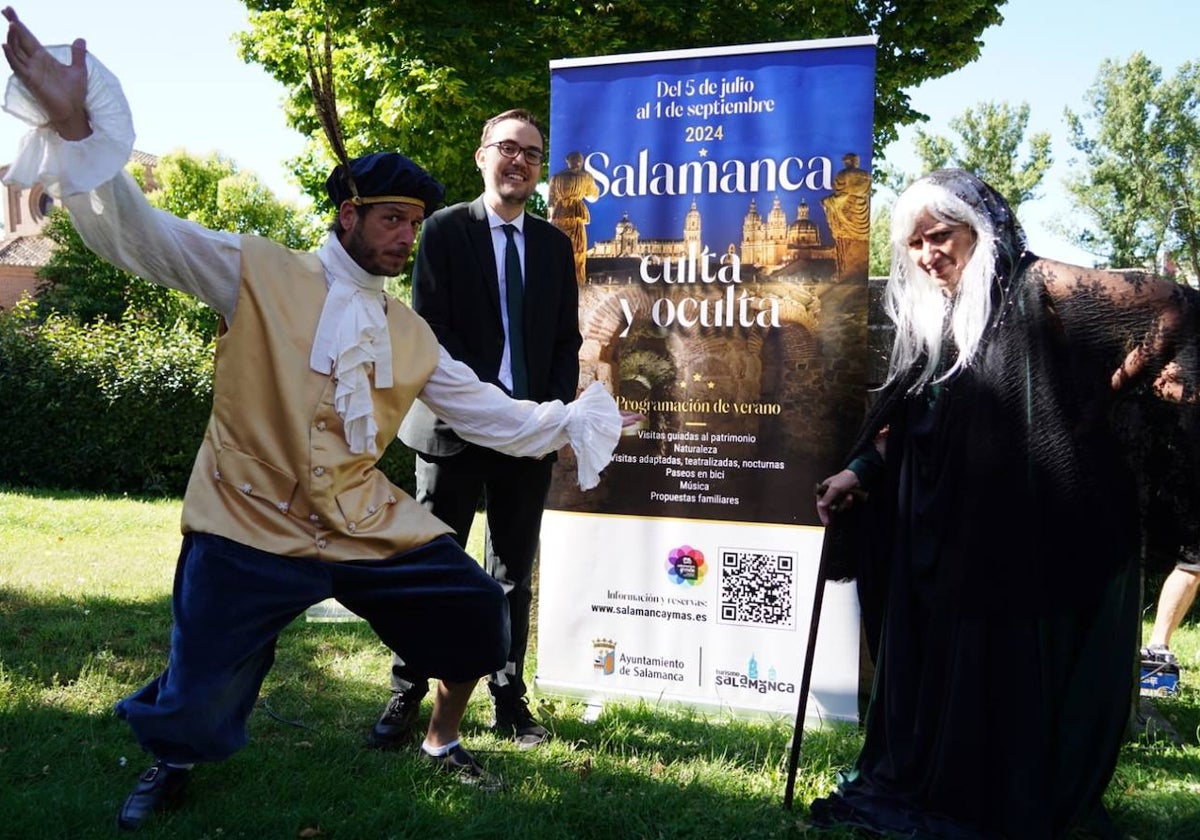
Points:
x=989 y=140
x=208 y=190
x=879 y=263
x=214 y=192
x=77 y=282
x=422 y=77
x=1178 y=134
x=1140 y=147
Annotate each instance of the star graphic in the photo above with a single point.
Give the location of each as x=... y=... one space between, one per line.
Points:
x=703 y=153
x=696 y=377
x=712 y=385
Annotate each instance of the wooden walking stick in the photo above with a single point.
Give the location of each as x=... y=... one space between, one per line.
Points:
x=858 y=495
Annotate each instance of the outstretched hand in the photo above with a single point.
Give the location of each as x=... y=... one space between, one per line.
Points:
x=61 y=89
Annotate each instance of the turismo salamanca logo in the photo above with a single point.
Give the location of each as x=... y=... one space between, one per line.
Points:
x=604 y=657
x=753 y=680
x=686 y=566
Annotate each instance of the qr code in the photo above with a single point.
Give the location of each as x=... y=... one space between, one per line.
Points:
x=758 y=588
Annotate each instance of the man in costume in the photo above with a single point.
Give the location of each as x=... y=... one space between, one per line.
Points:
x=315 y=369
x=497 y=285
x=999 y=579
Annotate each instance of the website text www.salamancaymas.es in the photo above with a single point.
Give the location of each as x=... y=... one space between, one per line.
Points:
x=649 y=612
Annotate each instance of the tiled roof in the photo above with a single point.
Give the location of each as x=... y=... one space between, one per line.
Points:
x=31 y=251
x=34 y=251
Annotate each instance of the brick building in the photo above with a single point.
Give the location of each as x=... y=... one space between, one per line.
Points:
x=23 y=248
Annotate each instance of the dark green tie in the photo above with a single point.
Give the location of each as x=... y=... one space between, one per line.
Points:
x=514 y=294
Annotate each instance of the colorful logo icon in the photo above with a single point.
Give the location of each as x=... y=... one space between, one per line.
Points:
x=686 y=566
x=604 y=657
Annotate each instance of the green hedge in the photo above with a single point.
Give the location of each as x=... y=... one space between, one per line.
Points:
x=114 y=408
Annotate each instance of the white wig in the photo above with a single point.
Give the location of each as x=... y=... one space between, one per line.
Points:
x=928 y=321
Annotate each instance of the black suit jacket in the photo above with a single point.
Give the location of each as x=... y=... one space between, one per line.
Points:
x=457 y=290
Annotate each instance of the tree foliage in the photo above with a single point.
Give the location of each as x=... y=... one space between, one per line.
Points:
x=879 y=261
x=77 y=282
x=208 y=190
x=213 y=191
x=990 y=137
x=422 y=77
x=1136 y=181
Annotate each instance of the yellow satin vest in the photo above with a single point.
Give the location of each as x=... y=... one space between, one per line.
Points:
x=274 y=471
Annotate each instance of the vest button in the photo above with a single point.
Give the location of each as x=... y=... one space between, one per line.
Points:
x=321 y=426
x=318 y=471
x=322 y=543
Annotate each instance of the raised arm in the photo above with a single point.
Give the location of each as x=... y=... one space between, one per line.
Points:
x=82 y=137
x=61 y=89
x=1154 y=318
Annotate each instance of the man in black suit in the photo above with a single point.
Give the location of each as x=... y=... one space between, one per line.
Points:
x=498 y=287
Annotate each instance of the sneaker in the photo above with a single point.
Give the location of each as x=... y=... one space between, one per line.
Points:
x=160 y=788
x=514 y=720
x=1158 y=653
x=466 y=769
x=397 y=726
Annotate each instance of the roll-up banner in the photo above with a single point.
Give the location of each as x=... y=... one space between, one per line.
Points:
x=719 y=204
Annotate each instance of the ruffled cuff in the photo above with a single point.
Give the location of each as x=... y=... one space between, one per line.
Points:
x=66 y=167
x=593 y=428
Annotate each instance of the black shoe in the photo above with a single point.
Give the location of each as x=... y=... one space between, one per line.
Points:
x=465 y=768
x=158 y=789
x=514 y=720
x=397 y=726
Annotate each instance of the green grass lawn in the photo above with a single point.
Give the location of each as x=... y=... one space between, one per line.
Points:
x=84 y=619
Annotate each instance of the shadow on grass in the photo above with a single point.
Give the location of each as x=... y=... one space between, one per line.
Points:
x=66 y=762
x=52 y=640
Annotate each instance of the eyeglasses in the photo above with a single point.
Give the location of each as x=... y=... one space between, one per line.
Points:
x=533 y=155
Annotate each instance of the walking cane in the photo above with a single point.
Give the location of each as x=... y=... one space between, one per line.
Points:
x=806 y=676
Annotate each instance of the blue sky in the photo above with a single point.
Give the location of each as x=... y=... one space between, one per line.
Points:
x=188 y=88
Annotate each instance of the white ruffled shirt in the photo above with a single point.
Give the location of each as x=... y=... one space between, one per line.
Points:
x=352 y=342
x=115 y=220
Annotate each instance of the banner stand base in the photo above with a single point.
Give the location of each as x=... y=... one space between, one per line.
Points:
x=592 y=711
x=329 y=610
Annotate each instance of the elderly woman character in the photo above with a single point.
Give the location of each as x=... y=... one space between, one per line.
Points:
x=999 y=584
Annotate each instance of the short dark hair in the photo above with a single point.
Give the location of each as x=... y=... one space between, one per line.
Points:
x=335 y=225
x=511 y=114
